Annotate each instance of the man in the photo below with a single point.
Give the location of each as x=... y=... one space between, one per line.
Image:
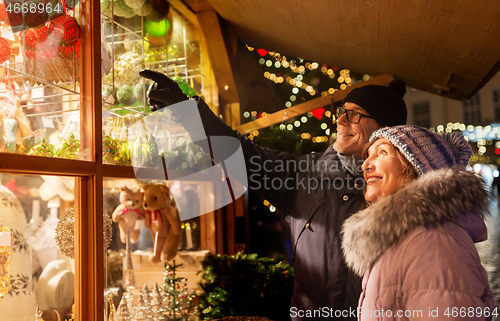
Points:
x=319 y=192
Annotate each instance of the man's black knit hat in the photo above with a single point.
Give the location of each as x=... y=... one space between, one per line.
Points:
x=384 y=104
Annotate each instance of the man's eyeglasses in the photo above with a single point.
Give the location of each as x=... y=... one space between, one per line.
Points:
x=352 y=115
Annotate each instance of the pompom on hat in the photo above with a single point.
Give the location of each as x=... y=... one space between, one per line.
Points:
x=384 y=104
x=426 y=150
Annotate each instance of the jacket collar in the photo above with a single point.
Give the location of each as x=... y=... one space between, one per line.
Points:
x=445 y=194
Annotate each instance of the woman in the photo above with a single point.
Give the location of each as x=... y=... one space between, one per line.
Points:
x=414 y=243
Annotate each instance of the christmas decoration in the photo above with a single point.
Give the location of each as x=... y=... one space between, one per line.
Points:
x=70 y=52
x=157 y=29
x=112 y=310
x=145 y=9
x=157 y=304
x=111 y=150
x=126 y=69
x=121 y=9
x=4 y=50
x=13 y=18
x=128 y=213
x=65 y=232
x=128 y=268
x=245 y=285
x=38 y=313
x=40 y=18
x=140 y=89
x=64 y=30
x=68 y=148
x=142 y=311
x=125 y=95
x=178 y=302
x=6 y=244
x=160 y=10
x=43 y=149
x=123 y=313
x=163 y=221
x=135 y=4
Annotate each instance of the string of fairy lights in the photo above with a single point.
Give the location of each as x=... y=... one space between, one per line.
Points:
x=292 y=72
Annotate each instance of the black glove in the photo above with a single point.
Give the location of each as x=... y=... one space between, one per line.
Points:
x=163 y=92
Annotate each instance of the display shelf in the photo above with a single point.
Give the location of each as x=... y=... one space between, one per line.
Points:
x=56 y=94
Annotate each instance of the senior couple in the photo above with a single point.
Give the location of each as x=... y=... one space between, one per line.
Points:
x=401 y=248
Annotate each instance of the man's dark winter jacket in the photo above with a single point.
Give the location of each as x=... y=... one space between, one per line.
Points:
x=317 y=194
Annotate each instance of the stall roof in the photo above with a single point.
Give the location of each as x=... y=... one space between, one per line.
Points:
x=447 y=47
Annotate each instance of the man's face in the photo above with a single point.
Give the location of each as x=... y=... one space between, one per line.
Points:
x=352 y=137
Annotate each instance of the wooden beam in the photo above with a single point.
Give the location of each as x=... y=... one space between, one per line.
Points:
x=220 y=56
x=185 y=11
x=303 y=108
x=89 y=248
x=38 y=165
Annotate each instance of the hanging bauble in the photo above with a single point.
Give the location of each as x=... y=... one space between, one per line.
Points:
x=68 y=148
x=38 y=19
x=43 y=149
x=67 y=52
x=65 y=232
x=40 y=54
x=65 y=30
x=125 y=95
x=135 y=4
x=160 y=10
x=121 y=9
x=4 y=50
x=157 y=41
x=105 y=5
x=3 y=13
x=157 y=29
x=15 y=17
x=35 y=38
x=145 y=9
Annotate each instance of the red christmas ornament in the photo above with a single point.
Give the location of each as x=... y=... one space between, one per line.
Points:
x=67 y=52
x=36 y=20
x=3 y=13
x=4 y=50
x=318 y=113
x=42 y=55
x=13 y=18
x=65 y=30
x=262 y=52
x=35 y=38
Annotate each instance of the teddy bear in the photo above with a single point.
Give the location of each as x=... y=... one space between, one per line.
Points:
x=163 y=221
x=128 y=213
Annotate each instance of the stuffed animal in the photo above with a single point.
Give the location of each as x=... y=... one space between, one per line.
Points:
x=128 y=213
x=162 y=219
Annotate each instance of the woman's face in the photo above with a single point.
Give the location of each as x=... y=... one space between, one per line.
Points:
x=383 y=170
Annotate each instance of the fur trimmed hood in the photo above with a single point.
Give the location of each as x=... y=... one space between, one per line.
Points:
x=445 y=194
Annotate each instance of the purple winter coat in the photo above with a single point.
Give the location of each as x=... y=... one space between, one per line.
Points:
x=416 y=251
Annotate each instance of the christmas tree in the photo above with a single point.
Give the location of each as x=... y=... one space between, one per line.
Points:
x=178 y=302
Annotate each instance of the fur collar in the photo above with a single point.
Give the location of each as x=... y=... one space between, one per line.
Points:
x=440 y=195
